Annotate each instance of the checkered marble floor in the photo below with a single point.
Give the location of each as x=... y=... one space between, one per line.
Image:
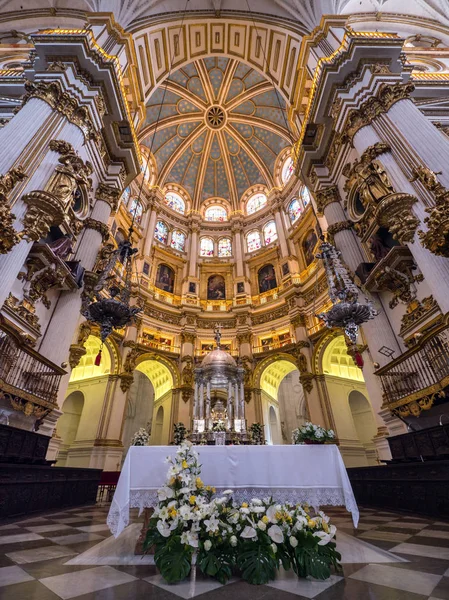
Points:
x=35 y=557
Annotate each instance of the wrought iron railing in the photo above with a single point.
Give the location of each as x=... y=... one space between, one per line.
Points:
x=26 y=374
x=419 y=372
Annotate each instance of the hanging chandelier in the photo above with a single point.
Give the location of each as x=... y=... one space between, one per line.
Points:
x=114 y=311
x=346 y=312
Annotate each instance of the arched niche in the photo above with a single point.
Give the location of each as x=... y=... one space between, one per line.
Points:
x=363 y=417
x=273 y=425
x=68 y=423
x=158 y=433
x=139 y=408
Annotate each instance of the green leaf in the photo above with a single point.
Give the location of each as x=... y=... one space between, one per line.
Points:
x=308 y=561
x=217 y=563
x=257 y=563
x=173 y=559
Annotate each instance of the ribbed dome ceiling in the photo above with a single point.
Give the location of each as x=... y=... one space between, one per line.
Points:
x=221 y=127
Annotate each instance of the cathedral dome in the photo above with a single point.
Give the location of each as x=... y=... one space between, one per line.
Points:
x=218 y=358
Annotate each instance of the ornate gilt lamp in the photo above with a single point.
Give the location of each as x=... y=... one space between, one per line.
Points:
x=346 y=312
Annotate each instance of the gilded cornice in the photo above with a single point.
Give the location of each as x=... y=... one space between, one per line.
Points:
x=102 y=228
x=338 y=227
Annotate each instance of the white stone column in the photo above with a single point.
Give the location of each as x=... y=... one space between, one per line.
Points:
x=195 y=401
x=202 y=399
x=193 y=253
x=237 y=251
x=236 y=401
x=229 y=404
x=208 y=403
x=281 y=233
x=435 y=268
x=150 y=232
x=39 y=163
x=242 y=405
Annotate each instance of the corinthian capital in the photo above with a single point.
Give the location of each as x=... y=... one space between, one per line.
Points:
x=327 y=196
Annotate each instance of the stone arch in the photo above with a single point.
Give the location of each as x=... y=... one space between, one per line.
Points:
x=86 y=367
x=320 y=348
x=169 y=364
x=68 y=423
x=266 y=362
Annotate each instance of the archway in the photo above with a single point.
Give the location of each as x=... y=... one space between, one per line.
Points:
x=68 y=423
x=158 y=427
x=282 y=395
x=160 y=379
x=349 y=402
x=139 y=408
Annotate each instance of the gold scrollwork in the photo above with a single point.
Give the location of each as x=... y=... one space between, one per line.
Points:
x=9 y=237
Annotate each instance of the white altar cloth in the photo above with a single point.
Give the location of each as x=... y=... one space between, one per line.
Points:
x=314 y=474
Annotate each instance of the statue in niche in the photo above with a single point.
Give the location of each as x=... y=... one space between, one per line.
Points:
x=378 y=248
x=62 y=247
x=373 y=182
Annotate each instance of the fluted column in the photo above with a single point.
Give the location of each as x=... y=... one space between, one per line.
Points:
x=208 y=403
x=149 y=238
x=58 y=336
x=237 y=250
x=281 y=233
x=229 y=404
x=201 y=399
x=435 y=268
x=236 y=401
x=193 y=254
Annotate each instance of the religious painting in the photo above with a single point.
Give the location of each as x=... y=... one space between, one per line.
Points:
x=146 y=268
x=267 y=343
x=206 y=348
x=216 y=289
x=267 y=278
x=192 y=287
x=285 y=269
x=285 y=338
x=240 y=287
x=308 y=246
x=165 y=278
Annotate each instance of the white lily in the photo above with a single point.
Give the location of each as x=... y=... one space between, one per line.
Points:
x=325 y=538
x=275 y=533
x=163 y=528
x=249 y=533
x=212 y=524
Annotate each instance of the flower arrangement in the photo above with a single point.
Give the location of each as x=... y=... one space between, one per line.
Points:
x=256 y=434
x=312 y=434
x=219 y=426
x=140 y=438
x=180 y=433
x=190 y=525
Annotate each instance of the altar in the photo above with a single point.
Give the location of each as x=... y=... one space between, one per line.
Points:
x=296 y=474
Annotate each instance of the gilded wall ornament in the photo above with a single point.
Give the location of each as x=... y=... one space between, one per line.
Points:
x=339 y=226
x=76 y=352
x=399 y=283
x=43 y=280
x=188 y=337
x=24 y=311
x=44 y=210
x=387 y=95
x=63 y=102
x=368 y=176
x=9 y=237
x=306 y=380
x=395 y=213
x=102 y=228
x=109 y=194
x=417 y=310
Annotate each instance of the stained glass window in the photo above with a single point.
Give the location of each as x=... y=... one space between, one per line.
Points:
x=126 y=194
x=175 y=202
x=178 y=240
x=136 y=209
x=294 y=210
x=224 y=247
x=216 y=213
x=253 y=241
x=255 y=203
x=305 y=195
x=206 y=246
x=161 y=232
x=287 y=170
x=269 y=232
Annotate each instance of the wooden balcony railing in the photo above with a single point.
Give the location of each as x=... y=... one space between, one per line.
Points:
x=26 y=375
x=421 y=371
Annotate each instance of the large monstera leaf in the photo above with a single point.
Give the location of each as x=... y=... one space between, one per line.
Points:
x=217 y=564
x=173 y=560
x=257 y=562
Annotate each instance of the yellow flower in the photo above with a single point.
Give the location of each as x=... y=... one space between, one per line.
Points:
x=208 y=488
x=173 y=512
x=199 y=483
x=325 y=526
x=184 y=464
x=244 y=504
x=172 y=480
x=213 y=490
x=265 y=519
x=278 y=516
x=192 y=499
x=311 y=523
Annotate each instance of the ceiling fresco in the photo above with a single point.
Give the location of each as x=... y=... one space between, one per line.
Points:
x=221 y=127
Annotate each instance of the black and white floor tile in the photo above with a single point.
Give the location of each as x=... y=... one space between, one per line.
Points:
x=71 y=555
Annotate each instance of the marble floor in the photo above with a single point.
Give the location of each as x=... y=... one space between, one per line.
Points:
x=70 y=554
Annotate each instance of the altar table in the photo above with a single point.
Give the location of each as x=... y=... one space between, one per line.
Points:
x=314 y=474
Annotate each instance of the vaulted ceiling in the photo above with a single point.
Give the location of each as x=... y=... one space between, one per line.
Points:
x=221 y=127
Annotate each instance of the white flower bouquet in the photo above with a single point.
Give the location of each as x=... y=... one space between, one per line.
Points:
x=256 y=434
x=219 y=426
x=312 y=434
x=179 y=433
x=140 y=438
x=253 y=538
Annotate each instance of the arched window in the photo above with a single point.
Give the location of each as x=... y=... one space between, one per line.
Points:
x=294 y=210
x=269 y=232
x=178 y=240
x=305 y=196
x=206 y=246
x=253 y=241
x=287 y=170
x=175 y=202
x=255 y=203
x=161 y=232
x=224 y=247
x=136 y=209
x=216 y=213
